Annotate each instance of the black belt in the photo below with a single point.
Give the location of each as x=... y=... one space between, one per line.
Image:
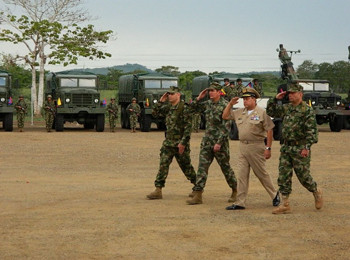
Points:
x=294 y=143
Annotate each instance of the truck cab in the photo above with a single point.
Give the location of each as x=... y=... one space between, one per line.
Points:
x=77 y=99
x=147 y=88
x=6 y=103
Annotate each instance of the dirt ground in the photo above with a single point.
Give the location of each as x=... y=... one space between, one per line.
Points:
x=80 y=194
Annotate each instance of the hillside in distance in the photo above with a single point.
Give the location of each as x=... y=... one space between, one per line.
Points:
x=126 y=68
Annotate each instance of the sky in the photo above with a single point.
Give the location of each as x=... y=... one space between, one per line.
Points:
x=217 y=35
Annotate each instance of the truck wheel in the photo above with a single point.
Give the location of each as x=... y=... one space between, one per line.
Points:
x=233 y=134
x=100 y=123
x=145 y=123
x=59 y=123
x=8 y=122
x=277 y=130
x=122 y=117
x=346 y=124
x=335 y=123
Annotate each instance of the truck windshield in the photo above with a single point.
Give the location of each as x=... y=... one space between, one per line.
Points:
x=83 y=83
x=2 y=81
x=87 y=83
x=152 y=83
x=71 y=83
x=321 y=87
x=306 y=86
x=168 y=83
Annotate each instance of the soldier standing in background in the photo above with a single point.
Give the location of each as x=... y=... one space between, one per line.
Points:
x=177 y=139
x=238 y=89
x=112 y=109
x=134 y=111
x=21 y=108
x=50 y=111
x=254 y=125
x=214 y=143
x=299 y=132
x=257 y=86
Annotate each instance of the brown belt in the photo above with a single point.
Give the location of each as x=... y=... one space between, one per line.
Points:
x=251 y=142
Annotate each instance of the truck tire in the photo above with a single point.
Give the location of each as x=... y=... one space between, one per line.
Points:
x=277 y=130
x=145 y=123
x=59 y=123
x=233 y=134
x=100 y=123
x=123 y=117
x=346 y=123
x=8 y=122
x=335 y=123
x=202 y=123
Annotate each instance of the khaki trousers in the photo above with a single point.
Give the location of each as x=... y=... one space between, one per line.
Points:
x=251 y=155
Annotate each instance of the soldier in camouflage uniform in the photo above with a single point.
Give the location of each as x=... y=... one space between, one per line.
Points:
x=112 y=109
x=229 y=89
x=214 y=143
x=299 y=132
x=50 y=111
x=21 y=108
x=134 y=111
x=238 y=89
x=177 y=139
x=257 y=86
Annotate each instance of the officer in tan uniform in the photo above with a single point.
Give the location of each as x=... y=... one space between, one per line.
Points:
x=254 y=125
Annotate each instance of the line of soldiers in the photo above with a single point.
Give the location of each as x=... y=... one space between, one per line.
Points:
x=255 y=127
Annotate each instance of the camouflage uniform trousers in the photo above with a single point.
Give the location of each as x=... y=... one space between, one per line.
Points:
x=206 y=157
x=167 y=154
x=196 y=119
x=20 y=119
x=112 y=119
x=49 y=120
x=290 y=159
x=133 y=121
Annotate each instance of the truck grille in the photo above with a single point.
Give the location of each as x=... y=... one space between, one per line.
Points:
x=82 y=99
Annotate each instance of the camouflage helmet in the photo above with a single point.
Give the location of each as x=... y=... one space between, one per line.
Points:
x=173 y=90
x=49 y=96
x=294 y=87
x=215 y=86
x=133 y=99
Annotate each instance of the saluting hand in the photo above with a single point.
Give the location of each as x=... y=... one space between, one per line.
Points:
x=202 y=94
x=281 y=95
x=234 y=101
x=164 y=97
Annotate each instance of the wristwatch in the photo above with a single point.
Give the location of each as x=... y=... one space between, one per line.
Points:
x=268 y=148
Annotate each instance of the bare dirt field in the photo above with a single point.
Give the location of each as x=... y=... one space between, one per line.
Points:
x=80 y=194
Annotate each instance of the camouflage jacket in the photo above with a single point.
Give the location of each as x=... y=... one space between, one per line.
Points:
x=23 y=105
x=178 y=120
x=50 y=106
x=216 y=128
x=229 y=92
x=237 y=91
x=113 y=107
x=135 y=109
x=299 y=122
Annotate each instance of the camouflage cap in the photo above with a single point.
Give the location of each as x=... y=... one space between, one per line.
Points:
x=215 y=86
x=21 y=96
x=112 y=98
x=294 y=87
x=173 y=90
x=133 y=99
x=49 y=96
x=250 y=92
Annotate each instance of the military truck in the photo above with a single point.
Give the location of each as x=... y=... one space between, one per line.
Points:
x=317 y=94
x=147 y=88
x=77 y=98
x=6 y=106
x=202 y=82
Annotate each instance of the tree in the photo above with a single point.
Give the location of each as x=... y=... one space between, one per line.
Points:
x=169 y=70
x=185 y=79
x=49 y=31
x=307 y=70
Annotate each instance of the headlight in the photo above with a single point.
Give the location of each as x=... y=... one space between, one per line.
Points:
x=313 y=102
x=338 y=103
x=67 y=100
x=96 y=100
x=2 y=99
x=155 y=101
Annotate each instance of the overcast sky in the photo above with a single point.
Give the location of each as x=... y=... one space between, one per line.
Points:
x=220 y=35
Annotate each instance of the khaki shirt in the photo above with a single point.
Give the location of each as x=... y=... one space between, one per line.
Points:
x=252 y=127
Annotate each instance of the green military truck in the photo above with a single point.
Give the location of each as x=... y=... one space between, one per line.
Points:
x=6 y=106
x=77 y=98
x=202 y=82
x=147 y=88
